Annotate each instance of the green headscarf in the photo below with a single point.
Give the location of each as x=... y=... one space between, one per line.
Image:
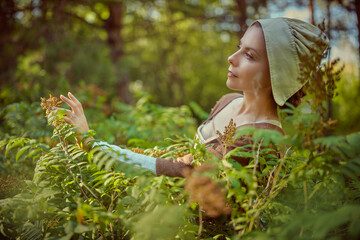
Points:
x=287 y=39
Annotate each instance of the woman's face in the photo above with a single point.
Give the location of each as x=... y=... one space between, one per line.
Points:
x=249 y=67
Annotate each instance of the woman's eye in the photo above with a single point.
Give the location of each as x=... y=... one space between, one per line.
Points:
x=248 y=55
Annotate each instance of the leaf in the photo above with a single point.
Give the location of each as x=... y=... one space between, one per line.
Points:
x=81 y=228
x=33 y=152
x=128 y=200
x=330 y=141
x=354 y=141
x=239 y=153
x=329 y=221
x=12 y=144
x=273 y=163
x=160 y=223
x=78 y=154
x=348 y=173
x=354 y=167
x=3 y=143
x=244 y=131
x=268 y=136
x=111 y=162
x=20 y=152
x=99 y=172
x=110 y=179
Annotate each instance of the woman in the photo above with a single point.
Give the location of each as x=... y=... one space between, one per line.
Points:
x=265 y=69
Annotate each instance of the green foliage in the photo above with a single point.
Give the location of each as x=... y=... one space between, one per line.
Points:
x=301 y=186
x=87 y=195
x=24 y=119
x=345 y=103
x=145 y=124
x=20 y=162
x=311 y=190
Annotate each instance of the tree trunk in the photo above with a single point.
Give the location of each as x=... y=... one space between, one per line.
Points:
x=7 y=27
x=328 y=13
x=357 y=10
x=113 y=27
x=311 y=9
x=242 y=16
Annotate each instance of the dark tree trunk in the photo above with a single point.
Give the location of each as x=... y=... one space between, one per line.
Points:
x=113 y=27
x=328 y=13
x=311 y=10
x=357 y=10
x=242 y=16
x=7 y=27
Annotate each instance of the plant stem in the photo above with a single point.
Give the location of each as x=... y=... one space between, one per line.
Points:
x=112 y=231
x=200 y=222
x=305 y=196
x=63 y=145
x=256 y=157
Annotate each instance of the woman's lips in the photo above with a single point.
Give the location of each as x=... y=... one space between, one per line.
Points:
x=230 y=74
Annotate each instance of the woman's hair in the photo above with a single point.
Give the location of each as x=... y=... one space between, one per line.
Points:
x=295 y=99
x=256 y=24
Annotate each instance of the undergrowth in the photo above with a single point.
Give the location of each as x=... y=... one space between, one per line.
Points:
x=300 y=186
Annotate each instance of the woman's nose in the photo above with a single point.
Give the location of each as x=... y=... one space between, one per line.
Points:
x=232 y=59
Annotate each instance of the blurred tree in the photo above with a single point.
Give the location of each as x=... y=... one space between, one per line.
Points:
x=246 y=10
x=242 y=16
x=310 y=6
x=354 y=6
x=176 y=49
x=337 y=23
x=113 y=27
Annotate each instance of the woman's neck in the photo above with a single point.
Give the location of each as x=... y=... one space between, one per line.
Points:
x=257 y=107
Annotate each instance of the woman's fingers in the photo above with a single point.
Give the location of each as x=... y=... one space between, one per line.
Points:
x=58 y=108
x=76 y=116
x=68 y=101
x=68 y=113
x=68 y=120
x=73 y=103
x=74 y=99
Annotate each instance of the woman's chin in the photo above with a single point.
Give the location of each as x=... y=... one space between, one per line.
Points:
x=230 y=84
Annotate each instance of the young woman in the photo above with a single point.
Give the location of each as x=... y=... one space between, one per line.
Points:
x=265 y=69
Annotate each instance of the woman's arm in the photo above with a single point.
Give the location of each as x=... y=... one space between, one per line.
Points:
x=127 y=156
x=159 y=166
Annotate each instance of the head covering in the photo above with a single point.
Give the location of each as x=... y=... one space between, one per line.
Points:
x=286 y=40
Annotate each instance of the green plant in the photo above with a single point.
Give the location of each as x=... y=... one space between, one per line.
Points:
x=301 y=186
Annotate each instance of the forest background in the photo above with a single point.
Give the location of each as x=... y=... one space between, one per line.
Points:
x=106 y=51
x=147 y=70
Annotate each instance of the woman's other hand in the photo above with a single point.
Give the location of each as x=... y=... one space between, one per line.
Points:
x=77 y=118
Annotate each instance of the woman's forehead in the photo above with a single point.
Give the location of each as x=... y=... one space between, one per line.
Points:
x=254 y=38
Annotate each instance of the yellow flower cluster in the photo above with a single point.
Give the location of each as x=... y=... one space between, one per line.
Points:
x=227 y=137
x=48 y=104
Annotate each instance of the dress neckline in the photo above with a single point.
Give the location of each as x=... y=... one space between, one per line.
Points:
x=203 y=141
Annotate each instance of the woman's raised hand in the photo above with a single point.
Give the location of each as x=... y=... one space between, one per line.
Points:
x=76 y=117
